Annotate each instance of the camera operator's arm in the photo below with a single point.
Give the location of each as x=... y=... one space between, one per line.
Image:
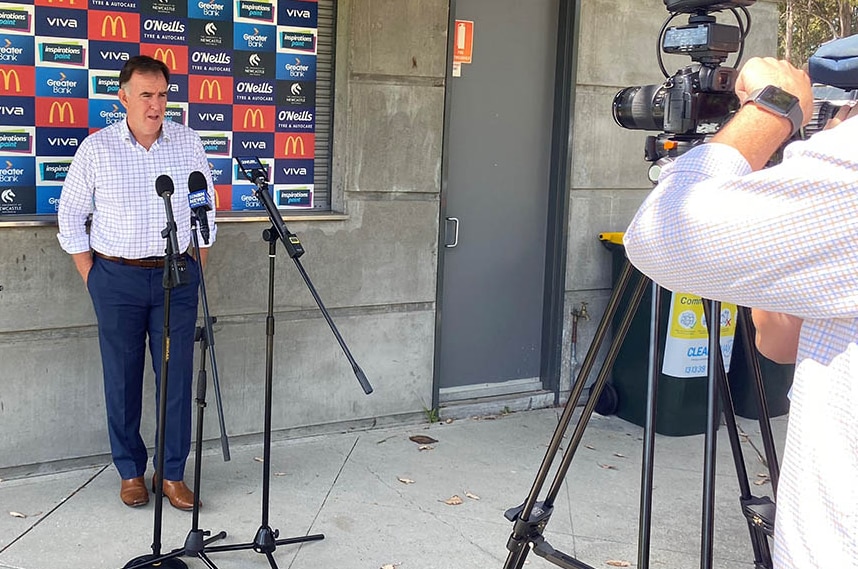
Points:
x=777 y=335
x=753 y=131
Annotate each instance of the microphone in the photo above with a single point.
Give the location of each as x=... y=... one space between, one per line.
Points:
x=164 y=185
x=175 y=273
x=198 y=199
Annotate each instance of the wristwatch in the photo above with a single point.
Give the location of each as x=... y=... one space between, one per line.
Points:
x=778 y=102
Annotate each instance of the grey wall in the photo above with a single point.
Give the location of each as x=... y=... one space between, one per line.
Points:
x=375 y=266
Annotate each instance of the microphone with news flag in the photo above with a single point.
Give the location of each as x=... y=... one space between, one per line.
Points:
x=198 y=200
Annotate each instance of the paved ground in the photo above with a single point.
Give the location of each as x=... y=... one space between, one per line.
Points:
x=380 y=500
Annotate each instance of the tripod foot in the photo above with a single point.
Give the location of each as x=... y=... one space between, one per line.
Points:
x=151 y=561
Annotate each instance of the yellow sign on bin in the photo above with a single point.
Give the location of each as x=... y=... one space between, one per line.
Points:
x=686 y=349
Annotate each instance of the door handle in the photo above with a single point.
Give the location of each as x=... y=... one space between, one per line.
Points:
x=455 y=221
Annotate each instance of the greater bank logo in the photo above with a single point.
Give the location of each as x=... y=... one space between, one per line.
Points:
x=296 y=67
x=62 y=83
x=114 y=26
x=18 y=171
x=17 y=50
x=210 y=9
x=104 y=112
x=254 y=37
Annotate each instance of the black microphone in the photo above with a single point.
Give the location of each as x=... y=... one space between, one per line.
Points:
x=164 y=185
x=198 y=199
x=175 y=271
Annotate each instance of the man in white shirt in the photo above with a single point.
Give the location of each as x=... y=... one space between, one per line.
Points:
x=121 y=259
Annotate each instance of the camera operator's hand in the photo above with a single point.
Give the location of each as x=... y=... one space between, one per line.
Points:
x=758 y=133
x=847 y=111
x=759 y=72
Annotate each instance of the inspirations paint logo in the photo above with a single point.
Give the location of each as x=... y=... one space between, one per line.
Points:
x=62 y=54
x=255 y=11
x=52 y=170
x=103 y=85
x=16 y=19
x=217 y=143
x=294 y=197
x=17 y=141
x=296 y=40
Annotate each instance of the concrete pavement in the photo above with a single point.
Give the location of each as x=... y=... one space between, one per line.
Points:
x=381 y=500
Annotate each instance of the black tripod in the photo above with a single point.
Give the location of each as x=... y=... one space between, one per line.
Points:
x=266 y=539
x=197 y=539
x=531 y=517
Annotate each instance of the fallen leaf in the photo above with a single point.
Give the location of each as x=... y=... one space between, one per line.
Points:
x=472 y=496
x=279 y=474
x=425 y=447
x=258 y=459
x=422 y=439
x=448 y=421
x=390 y=565
x=617 y=563
x=618 y=455
x=591 y=447
x=453 y=501
x=17 y=515
x=405 y=480
x=607 y=466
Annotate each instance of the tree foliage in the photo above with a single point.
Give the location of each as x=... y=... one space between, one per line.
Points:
x=807 y=24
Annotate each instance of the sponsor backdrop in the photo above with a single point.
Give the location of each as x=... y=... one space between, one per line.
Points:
x=243 y=75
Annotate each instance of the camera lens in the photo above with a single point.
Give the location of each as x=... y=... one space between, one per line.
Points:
x=640 y=108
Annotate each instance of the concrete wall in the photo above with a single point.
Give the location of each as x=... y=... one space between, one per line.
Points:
x=375 y=267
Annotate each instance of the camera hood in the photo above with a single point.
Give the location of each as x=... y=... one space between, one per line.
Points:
x=695 y=6
x=836 y=63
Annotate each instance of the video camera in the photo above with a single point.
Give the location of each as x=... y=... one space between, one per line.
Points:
x=697 y=100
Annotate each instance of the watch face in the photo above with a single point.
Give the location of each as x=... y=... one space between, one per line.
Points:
x=777 y=98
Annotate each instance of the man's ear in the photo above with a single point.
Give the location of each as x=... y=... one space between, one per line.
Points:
x=123 y=98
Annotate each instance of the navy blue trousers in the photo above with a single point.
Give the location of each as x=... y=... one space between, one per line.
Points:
x=129 y=306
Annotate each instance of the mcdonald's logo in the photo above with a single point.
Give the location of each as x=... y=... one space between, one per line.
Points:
x=168 y=56
x=61 y=109
x=115 y=22
x=254 y=114
x=8 y=75
x=294 y=146
x=211 y=85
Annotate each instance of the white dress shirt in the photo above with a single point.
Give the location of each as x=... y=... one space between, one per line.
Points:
x=783 y=239
x=113 y=177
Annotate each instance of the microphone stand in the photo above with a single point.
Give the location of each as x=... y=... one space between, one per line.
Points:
x=197 y=539
x=266 y=539
x=175 y=274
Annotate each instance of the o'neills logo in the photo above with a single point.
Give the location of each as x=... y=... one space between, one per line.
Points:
x=18 y=20
x=158 y=26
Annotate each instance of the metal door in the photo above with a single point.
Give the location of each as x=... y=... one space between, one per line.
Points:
x=499 y=115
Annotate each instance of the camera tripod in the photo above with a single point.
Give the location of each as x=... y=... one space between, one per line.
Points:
x=531 y=517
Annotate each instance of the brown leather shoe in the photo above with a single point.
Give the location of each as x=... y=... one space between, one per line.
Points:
x=177 y=492
x=133 y=492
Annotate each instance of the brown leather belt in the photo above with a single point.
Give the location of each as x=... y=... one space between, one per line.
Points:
x=147 y=263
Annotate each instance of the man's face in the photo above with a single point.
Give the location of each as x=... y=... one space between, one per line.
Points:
x=145 y=100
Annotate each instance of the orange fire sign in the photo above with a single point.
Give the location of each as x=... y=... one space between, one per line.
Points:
x=463 y=47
